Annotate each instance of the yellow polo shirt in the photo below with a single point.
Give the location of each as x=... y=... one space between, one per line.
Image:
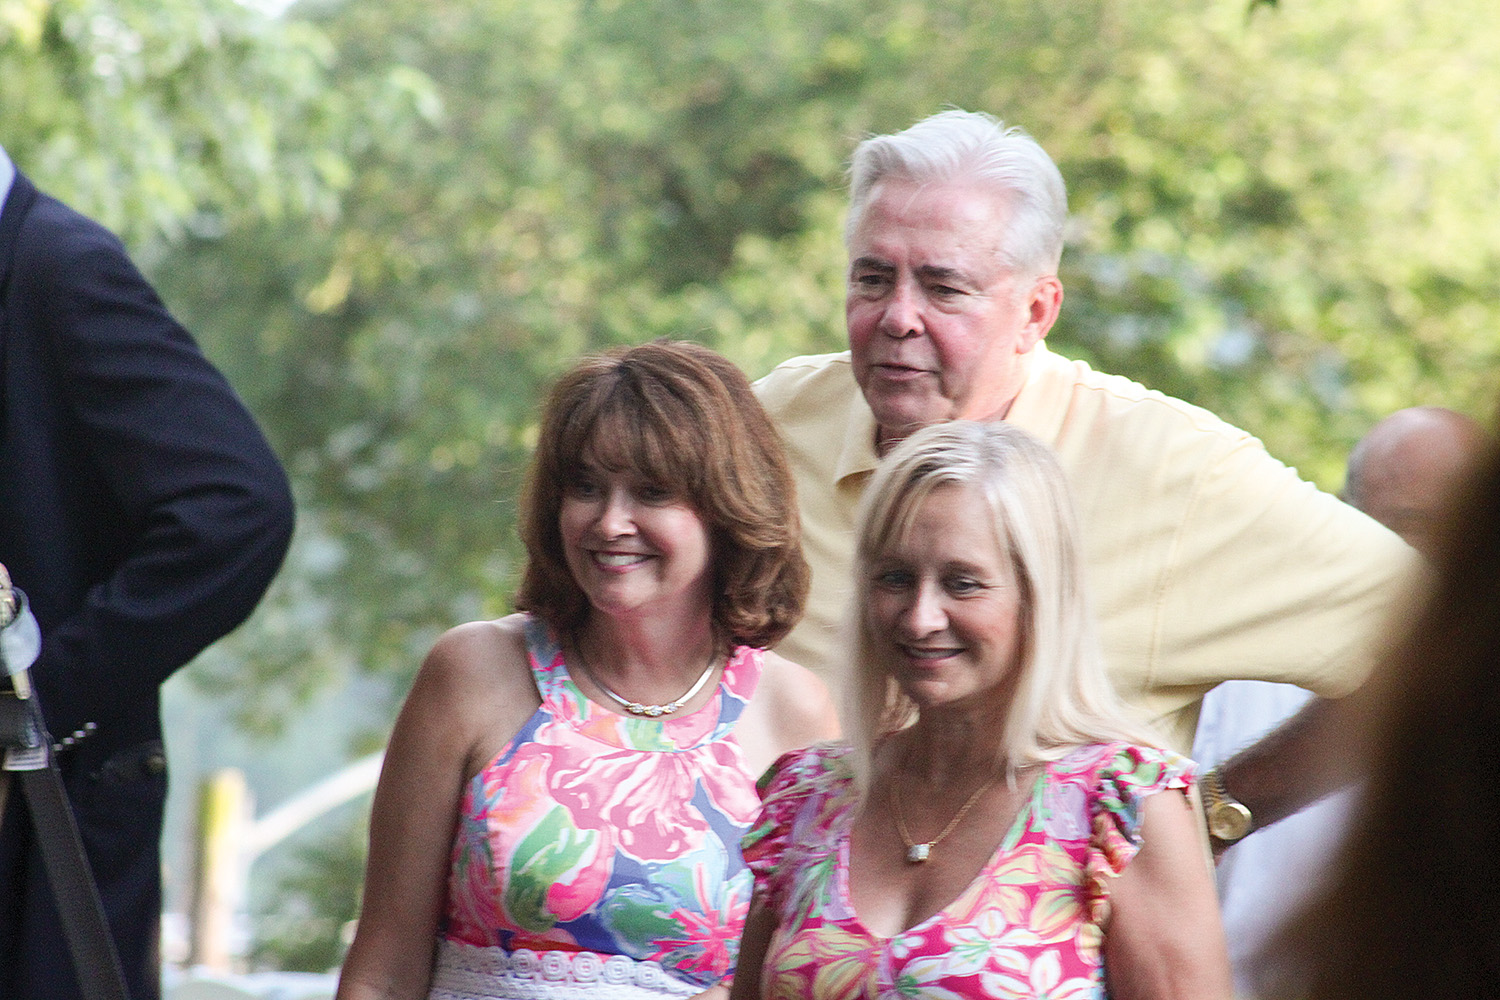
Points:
x=1208 y=559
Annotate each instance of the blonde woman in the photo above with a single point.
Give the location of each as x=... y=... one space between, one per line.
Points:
x=997 y=827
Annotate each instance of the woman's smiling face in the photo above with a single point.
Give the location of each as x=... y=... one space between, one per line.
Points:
x=633 y=544
x=943 y=608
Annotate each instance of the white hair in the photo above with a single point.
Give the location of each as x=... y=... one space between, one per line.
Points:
x=973 y=146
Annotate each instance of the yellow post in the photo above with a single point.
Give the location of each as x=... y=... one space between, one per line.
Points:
x=224 y=812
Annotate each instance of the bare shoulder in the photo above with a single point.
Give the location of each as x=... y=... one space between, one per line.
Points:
x=794 y=683
x=476 y=684
x=480 y=653
x=798 y=707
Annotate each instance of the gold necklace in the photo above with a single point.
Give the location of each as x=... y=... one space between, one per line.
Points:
x=635 y=707
x=918 y=853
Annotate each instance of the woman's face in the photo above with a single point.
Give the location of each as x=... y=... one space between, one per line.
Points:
x=633 y=545
x=943 y=607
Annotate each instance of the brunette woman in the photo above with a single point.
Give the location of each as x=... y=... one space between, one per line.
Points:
x=565 y=790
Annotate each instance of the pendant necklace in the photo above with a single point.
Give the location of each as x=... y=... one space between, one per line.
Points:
x=635 y=707
x=918 y=853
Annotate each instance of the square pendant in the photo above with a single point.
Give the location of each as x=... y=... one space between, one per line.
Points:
x=917 y=853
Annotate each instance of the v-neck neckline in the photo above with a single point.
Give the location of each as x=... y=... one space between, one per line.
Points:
x=843 y=873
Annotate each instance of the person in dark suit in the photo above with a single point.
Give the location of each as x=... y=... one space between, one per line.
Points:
x=144 y=515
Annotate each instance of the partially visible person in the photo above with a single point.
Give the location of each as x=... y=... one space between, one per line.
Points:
x=565 y=790
x=1408 y=910
x=143 y=514
x=1211 y=560
x=998 y=826
x=1403 y=473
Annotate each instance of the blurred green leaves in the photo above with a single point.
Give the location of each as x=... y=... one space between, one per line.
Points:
x=393 y=224
x=171 y=115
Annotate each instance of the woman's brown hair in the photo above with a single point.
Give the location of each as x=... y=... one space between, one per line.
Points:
x=685 y=418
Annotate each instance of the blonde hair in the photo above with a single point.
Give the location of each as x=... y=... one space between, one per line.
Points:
x=1063 y=698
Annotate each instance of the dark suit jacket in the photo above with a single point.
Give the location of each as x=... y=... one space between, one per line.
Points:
x=144 y=514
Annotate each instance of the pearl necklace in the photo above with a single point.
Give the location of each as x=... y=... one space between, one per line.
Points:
x=635 y=707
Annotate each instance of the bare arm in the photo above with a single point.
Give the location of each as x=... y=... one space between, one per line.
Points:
x=1314 y=753
x=1164 y=940
x=760 y=924
x=469 y=698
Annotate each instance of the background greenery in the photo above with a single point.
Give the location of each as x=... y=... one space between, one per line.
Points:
x=392 y=223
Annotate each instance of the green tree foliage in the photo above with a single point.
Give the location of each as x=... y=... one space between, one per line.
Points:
x=394 y=223
x=303 y=918
x=159 y=117
x=418 y=214
x=1277 y=213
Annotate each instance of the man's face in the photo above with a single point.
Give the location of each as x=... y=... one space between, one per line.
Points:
x=938 y=328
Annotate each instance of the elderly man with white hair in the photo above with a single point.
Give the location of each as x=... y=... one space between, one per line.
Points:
x=1208 y=558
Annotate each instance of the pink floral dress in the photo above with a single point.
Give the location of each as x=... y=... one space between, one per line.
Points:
x=599 y=855
x=1028 y=927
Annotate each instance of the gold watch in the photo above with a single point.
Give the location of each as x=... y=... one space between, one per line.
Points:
x=1229 y=820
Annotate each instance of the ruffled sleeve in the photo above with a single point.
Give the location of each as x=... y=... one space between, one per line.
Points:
x=802 y=795
x=767 y=837
x=1127 y=776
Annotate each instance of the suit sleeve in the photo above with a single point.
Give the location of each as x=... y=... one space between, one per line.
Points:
x=205 y=510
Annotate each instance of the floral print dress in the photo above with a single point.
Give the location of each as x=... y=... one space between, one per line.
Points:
x=1029 y=927
x=599 y=854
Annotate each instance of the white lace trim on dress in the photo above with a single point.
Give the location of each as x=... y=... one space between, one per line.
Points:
x=474 y=972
